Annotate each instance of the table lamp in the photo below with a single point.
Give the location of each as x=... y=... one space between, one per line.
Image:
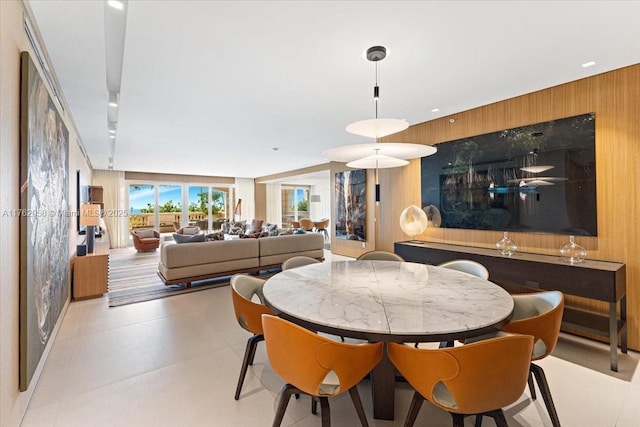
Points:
x=413 y=221
x=90 y=217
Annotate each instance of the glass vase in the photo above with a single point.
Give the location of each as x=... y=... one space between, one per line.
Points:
x=506 y=246
x=572 y=252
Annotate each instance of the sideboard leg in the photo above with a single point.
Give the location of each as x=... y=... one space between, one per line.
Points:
x=613 y=336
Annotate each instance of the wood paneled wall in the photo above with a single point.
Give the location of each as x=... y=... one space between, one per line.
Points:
x=615 y=98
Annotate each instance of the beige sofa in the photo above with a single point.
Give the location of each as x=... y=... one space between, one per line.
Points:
x=189 y=262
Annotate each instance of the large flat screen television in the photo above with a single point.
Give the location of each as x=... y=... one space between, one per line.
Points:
x=535 y=178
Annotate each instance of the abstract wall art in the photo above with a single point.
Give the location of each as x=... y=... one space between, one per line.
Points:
x=351 y=205
x=44 y=218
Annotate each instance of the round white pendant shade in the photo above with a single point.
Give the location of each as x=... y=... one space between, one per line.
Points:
x=377 y=161
x=399 y=150
x=377 y=128
x=413 y=221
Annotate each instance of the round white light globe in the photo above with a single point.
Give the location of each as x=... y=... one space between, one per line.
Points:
x=413 y=221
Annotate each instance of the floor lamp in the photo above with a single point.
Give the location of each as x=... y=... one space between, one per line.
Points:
x=90 y=217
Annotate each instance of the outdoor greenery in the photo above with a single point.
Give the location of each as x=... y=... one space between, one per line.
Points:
x=217 y=202
x=302 y=206
x=167 y=207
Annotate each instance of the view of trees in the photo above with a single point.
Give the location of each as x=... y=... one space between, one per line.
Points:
x=217 y=203
x=169 y=206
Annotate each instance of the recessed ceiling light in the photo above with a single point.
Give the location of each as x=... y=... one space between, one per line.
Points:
x=113 y=104
x=112 y=136
x=588 y=64
x=435 y=110
x=116 y=4
x=112 y=131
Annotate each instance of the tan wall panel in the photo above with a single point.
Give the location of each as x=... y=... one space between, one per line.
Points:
x=260 y=196
x=615 y=98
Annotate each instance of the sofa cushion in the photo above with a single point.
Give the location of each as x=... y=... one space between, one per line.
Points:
x=277 y=249
x=190 y=230
x=188 y=238
x=145 y=233
x=220 y=251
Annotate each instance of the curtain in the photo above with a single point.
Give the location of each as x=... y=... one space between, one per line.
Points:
x=116 y=216
x=274 y=205
x=246 y=192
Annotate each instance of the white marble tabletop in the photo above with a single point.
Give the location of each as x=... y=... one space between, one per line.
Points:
x=388 y=300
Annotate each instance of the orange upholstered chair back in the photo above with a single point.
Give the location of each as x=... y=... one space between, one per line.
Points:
x=540 y=315
x=307 y=224
x=248 y=312
x=305 y=359
x=470 y=379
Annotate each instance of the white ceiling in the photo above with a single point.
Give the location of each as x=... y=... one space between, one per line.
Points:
x=211 y=88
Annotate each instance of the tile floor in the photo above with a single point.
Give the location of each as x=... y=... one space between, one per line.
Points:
x=175 y=362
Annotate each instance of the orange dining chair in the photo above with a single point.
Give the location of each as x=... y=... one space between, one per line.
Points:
x=298 y=261
x=380 y=256
x=317 y=366
x=244 y=290
x=295 y=224
x=474 y=379
x=321 y=227
x=539 y=315
x=307 y=224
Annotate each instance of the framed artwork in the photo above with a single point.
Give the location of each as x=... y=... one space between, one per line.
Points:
x=44 y=218
x=351 y=205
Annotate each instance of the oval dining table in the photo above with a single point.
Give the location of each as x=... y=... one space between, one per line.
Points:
x=388 y=301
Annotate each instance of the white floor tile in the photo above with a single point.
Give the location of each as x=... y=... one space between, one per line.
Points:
x=176 y=361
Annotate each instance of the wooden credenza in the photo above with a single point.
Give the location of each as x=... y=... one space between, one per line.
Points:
x=91 y=273
x=597 y=280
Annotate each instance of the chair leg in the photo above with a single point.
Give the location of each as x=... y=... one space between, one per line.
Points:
x=532 y=387
x=249 y=353
x=256 y=339
x=326 y=412
x=499 y=418
x=414 y=408
x=446 y=344
x=458 y=420
x=283 y=401
x=314 y=405
x=478 y=422
x=355 y=396
x=546 y=394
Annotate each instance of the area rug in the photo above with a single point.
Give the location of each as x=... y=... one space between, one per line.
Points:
x=133 y=277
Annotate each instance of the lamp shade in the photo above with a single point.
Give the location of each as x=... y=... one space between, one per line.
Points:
x=90 y=214
x=377 y=161
x=315 y=198
x=377 y=128
x=413 y=221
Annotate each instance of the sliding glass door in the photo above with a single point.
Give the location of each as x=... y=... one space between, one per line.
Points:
x=295 y=204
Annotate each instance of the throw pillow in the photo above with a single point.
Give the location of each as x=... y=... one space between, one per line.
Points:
x=215 y=236
x=286 y=232
x=299 y=231
x=190 y=230
x=189 y=238
x=145 y=233
x=256 y=225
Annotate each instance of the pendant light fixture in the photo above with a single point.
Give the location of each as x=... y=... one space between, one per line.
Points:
x=378 y=127
x=378 y=155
